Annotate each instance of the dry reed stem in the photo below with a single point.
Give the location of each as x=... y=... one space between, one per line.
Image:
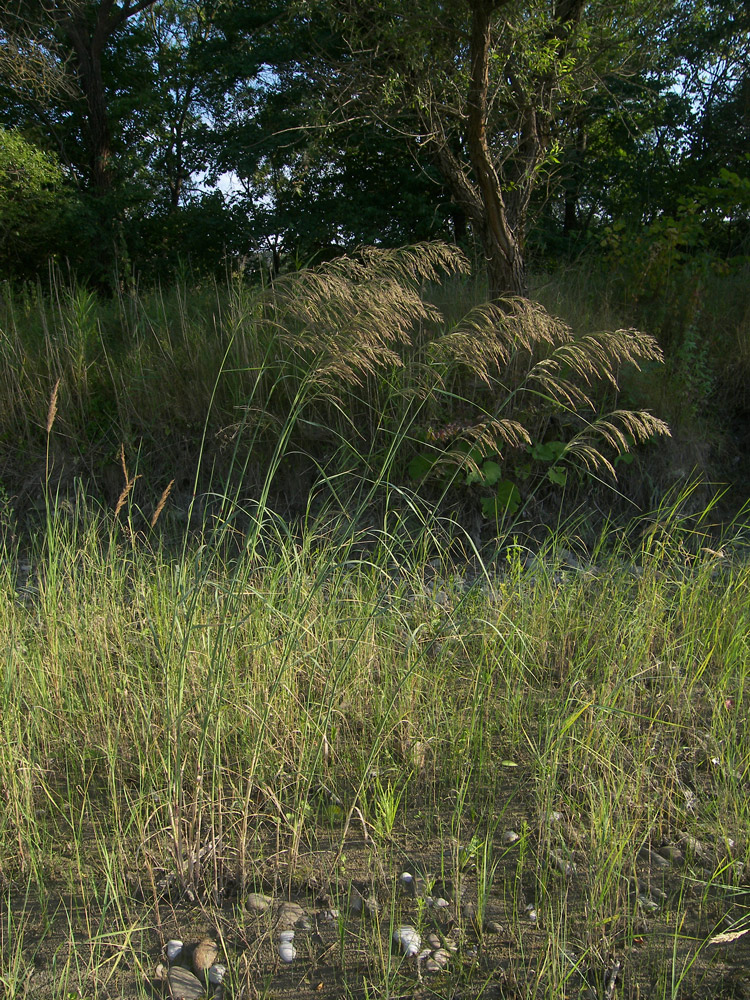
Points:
x=122 y=463
x=129 y=483
x=52 y=411
x=161 y=503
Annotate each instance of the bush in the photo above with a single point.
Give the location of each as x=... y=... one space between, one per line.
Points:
x=34 y=204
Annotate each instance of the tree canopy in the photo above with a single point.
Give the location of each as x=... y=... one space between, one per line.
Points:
x=288 y=131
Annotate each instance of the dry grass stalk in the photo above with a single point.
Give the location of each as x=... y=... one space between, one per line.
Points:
x=129 y=484
x=122 y=463
x=123 y=497
x=52 y=410
x=351 y=315
x=161 y=503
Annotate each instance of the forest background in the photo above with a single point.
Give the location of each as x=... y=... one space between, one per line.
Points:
x=595 y=160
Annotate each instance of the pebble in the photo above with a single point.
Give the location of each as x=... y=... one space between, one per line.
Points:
x=438 y=904
x=407 y=939
x=205 y=955
x=648 y=904
x=411 y=885
x=671 y=853
x=562 y=864
x=183 y=985
x=291 y=915
x=441 y=956
x=433 y=941
x=531 y=914
x=493 y=927
x=360 y=905
x=216 y=974
x=510 y=837
x=257 y=903
x=287 y=951
x=173 y=949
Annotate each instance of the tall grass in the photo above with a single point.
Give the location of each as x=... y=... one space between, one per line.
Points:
x=261 y=708
x=169 y=727
x=348 y=367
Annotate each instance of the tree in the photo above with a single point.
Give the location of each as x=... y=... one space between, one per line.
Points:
x=487 y=84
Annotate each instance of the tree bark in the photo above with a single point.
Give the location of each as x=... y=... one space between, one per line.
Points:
x=88 y=44
x=502 y=242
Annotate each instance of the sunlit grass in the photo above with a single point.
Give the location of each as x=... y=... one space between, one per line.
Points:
x=250 y=702
x=169 y=722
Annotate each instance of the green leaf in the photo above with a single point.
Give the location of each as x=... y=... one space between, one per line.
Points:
x=507 y=500
x=558 y=475
x=491 y=473
x=548 y=451
x=421 y=465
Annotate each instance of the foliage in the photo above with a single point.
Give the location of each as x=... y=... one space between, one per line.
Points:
x=34 y=203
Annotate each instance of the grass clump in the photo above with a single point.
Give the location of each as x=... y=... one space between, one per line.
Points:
x=344 y=368
x=551 y=742
x=179 y=732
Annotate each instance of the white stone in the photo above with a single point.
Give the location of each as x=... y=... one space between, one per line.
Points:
x=407 y=939
x=173 y=949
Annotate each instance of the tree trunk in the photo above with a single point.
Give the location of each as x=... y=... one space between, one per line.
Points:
x=88 y=50
x=88 y=43
x=506 y=272
x=502 y=245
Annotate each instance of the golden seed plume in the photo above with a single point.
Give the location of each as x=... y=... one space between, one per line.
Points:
x=162 y=501
x=52 y=411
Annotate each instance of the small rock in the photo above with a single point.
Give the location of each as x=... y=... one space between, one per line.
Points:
x=361 y=906
x=290 y=915
x=437 y=903
x=204 y=956
x=287 y=951
x=160 y=973
x=510 y=837
x=562 y=864
x=411 y=885
x=173 y=949
x=658 y=860
x=327 y=916
x=258 y=903
x=183 y=985
x=433 y=941
x=356 y=901
x=407 y=939
x=671 y=853
x=493 y=927
x=441 y=956
x=216 y=974
x=432 y=966
x=531 y=914
x=648 y=904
